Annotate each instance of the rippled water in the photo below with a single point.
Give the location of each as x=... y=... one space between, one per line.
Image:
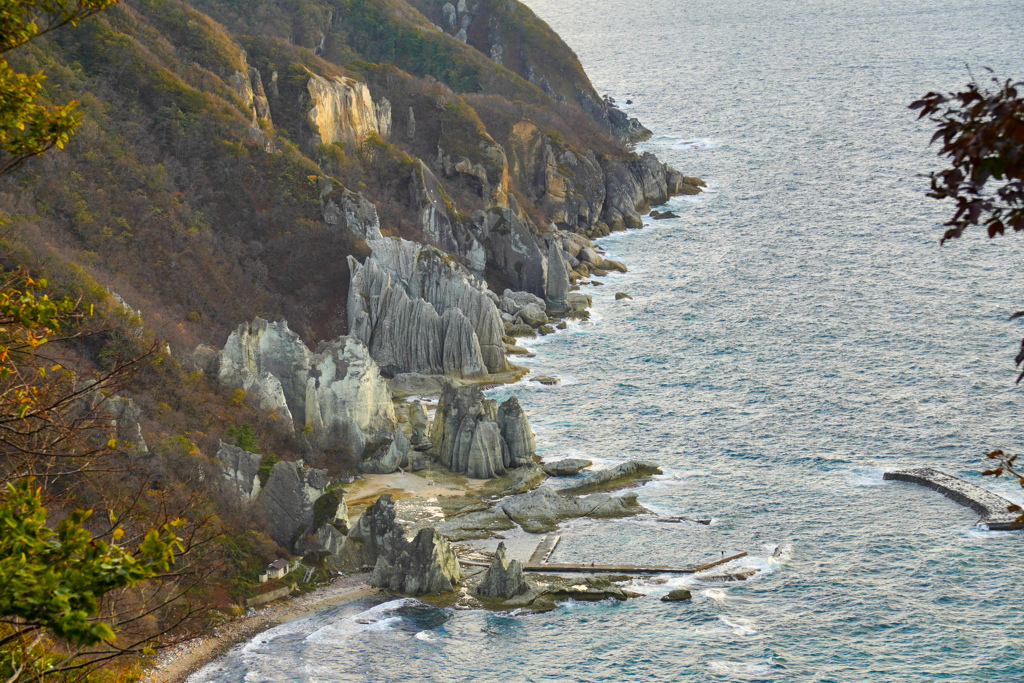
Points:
x=796 y=332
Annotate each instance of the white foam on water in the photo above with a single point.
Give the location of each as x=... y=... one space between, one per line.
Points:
x=859 y=476
x=693 y=143
x=426 y=636
x=740 y=625
x=732 y=670
x=377 y=618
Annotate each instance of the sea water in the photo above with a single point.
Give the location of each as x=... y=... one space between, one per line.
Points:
x=795 y=333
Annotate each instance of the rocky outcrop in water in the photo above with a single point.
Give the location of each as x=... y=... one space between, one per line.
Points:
x=566 y=467
x=241 y=469
x=469 y=439
x=418 y=312
x=342 y=110
x=337 y=391
x=516 y=433
x=541 y=510
x=504 y=578
x=615 y=477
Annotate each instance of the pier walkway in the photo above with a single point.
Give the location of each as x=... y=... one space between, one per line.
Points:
x=538 y=562
x=991 y=507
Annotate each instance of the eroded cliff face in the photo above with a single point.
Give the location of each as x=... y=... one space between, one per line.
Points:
x=337 y=392
x=347 y=401
x=418 y=311
x=342 y=110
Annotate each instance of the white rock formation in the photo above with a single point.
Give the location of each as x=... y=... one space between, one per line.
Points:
x=347 y=401
x=418 y=311
x=338 y=391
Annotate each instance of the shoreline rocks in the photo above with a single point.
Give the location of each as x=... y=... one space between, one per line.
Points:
x=615 y=477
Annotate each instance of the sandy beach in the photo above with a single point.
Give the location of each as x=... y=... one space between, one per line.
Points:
x=176 y=664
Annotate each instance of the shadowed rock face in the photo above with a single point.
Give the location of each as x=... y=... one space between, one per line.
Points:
x=504 y=579
x=125 y=416
x=381 y=535
x=349 y=209
x=289 y=500
x=633 y=186
x=389 y=459
x=424 y=565
x=241 y=469
x=417 y=312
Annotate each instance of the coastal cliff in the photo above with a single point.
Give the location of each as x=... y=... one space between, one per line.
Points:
x=316 y=211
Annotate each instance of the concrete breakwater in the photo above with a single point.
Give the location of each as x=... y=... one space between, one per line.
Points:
x=991 y=507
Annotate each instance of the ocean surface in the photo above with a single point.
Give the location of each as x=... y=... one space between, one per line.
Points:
x=796 y=332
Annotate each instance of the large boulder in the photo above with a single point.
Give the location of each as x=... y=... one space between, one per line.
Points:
x=504 y=578
x=241 y=469
x=388 y=458
x=541 y=510
x=419 y=420
x=566 y=467
x=347 y=402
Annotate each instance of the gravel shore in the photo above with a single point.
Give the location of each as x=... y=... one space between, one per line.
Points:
x=176 y=664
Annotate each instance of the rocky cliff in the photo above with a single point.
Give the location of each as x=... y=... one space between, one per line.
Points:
x=337 y=392
x=343 y=111
x=417 y=311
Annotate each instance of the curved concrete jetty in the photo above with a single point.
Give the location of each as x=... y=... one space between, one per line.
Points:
x=991 y=507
